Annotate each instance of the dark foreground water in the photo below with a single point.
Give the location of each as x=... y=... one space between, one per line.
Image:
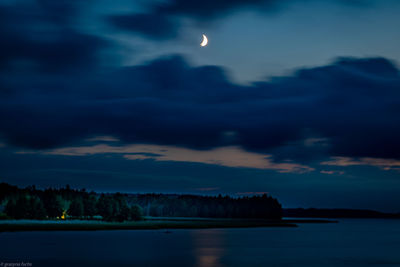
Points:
x=348 y=243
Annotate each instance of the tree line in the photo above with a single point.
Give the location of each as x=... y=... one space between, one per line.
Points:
x=50 y=203
x=162 y=205
x=63 y=203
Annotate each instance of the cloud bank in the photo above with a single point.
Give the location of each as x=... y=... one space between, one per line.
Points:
x=349 y=108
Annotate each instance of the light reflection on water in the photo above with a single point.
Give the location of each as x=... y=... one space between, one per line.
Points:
x=209 y=247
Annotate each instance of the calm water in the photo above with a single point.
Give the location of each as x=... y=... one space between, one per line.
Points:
x=348 y=243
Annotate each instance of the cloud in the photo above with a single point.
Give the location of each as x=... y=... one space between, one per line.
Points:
x=164 y=17
x=102 y=139
x=318 y=111
x=332 y=172
x=341 y=161
x=209 y=8
x=223 y=156
x=41 y=35
x=162 y=21
x=155 y=26
x=384 y=164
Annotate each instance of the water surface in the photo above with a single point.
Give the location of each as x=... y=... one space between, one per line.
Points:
x=361 y=242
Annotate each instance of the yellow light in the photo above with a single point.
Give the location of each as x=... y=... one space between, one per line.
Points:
x=64 y=215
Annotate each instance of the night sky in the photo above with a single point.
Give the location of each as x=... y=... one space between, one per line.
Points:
x=297 y=98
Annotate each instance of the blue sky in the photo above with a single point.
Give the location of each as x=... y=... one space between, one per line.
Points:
x=295 y=98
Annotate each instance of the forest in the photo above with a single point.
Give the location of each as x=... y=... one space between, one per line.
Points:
x=68 y=203
x=162 y=205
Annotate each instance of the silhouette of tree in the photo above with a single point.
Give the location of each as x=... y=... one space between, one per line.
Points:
x=76 y=208
x=53 y=204
x=105 y=207
x=136 y=213
x=36 y=208
x=89 y=206
x=25 y=207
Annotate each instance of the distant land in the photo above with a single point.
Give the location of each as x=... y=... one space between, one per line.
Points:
x=338 y=213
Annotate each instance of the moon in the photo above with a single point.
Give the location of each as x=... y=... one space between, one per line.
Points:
x=205 y=41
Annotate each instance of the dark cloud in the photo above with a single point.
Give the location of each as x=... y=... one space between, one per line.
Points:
x=209 y=8
x=217 y=8
x=61 y=11
x=162 y=20
x=40 y=35
x=348 y=108
x=156 y=26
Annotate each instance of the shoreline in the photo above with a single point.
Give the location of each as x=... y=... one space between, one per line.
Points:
x=151 y=224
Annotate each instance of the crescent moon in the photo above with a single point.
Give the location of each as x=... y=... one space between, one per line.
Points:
x=205 y=41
